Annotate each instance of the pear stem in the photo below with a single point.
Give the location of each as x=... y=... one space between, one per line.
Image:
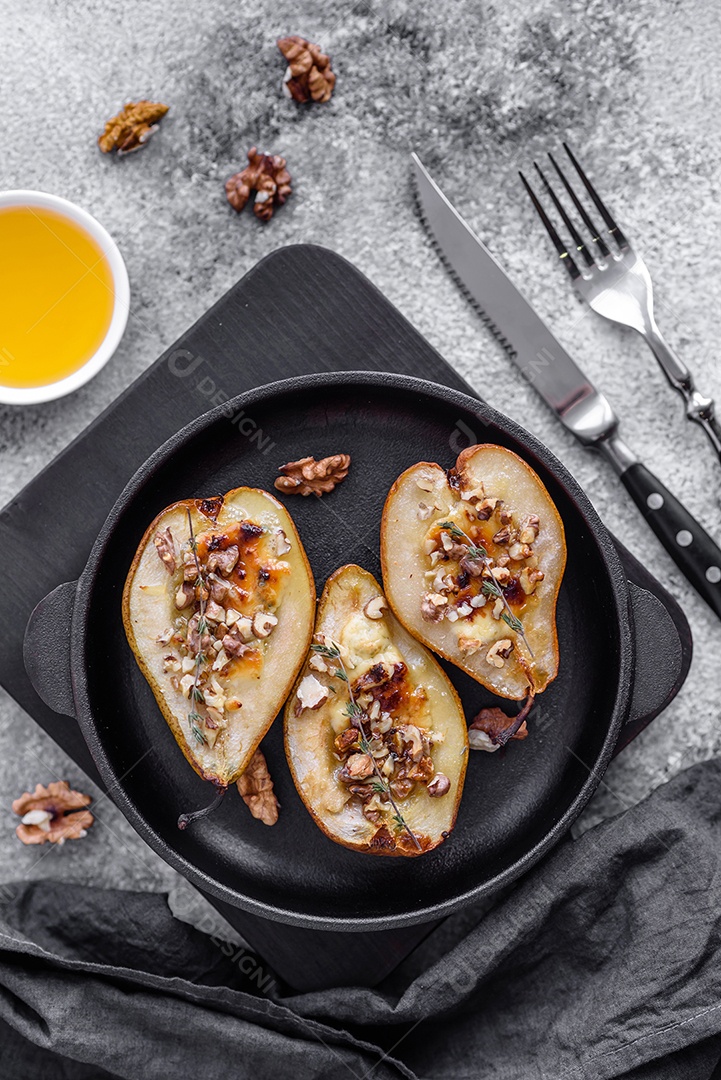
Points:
x=185 y=819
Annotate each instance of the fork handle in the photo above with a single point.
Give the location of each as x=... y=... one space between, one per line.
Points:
x=697 y=556
x=699 y=409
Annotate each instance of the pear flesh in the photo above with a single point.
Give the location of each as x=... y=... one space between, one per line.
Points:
x=220 y=650
x=395 y=706
x=472 y=564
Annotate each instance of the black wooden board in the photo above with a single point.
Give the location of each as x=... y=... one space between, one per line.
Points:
x=302 y=309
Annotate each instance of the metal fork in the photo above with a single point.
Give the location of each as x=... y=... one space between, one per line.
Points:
x=614 y=280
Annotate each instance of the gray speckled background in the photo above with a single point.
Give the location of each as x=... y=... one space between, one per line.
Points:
x=478 y=89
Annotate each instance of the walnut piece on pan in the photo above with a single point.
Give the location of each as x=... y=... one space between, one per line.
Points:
x=265 y=174
x=255 y=787
x=310 y=477
x=308 y=76
x=492 y=729
x=132 y=127
x=55 y=813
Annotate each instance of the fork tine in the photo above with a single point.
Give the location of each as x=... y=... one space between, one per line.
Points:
x=577 y=238
x=598 y=201
x=560 y=247
x=597 y=238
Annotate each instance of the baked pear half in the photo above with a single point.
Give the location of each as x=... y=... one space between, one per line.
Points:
x=218 y=609
x=374 y=730
x=472 y=564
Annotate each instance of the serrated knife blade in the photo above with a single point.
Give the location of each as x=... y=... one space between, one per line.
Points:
x=543 y=361
x=561 y=383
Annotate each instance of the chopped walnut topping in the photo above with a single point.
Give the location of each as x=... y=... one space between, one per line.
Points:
x=485 y=509
x=502 y=574
x=519 y=551
x=374 y=608
x=186 y=684
x=498 y=608
x=474 y=567
x=165 y=547
x=223 y=562
x=469 y=645
x=218 y=588
x=233 y=646
x=432 y=607
x=221 y=659
x=311 y=693
x=255 y=788
x=499 y=652
x=263 y=623
x=439 y=785
x=317 y=663
x=424 y=511
x=190 y=567
x=357 y=767
x=309 y=75
x=529 y=579
x=184 y=596
x=310 y=477
x=503 y=536
x=530 y=530
x=214 y=612
x=346 y=740
x=244 y=628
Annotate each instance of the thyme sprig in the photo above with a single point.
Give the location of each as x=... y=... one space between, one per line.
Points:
x=357 y=717
x=196 y=694
x=490 y=586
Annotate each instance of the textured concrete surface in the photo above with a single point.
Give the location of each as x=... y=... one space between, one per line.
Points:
x=478 y=89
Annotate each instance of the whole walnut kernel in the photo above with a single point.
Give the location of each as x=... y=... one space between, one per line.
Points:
x=132 y=127
x=309 y=76
x=255 y=787
x=265 y=174
x=54 y=813
x=310 y=477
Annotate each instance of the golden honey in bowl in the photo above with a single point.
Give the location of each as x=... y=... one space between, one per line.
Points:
x=56 y=296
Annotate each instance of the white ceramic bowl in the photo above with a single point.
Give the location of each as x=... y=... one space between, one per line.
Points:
x=31 y=395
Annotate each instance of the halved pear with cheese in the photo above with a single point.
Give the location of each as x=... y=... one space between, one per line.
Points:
x=218 y=609
x=472 y=564
x=374 y=730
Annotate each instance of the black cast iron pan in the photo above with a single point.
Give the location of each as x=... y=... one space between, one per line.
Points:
x=516 y=804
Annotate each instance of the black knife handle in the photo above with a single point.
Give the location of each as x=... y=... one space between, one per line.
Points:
x=697 y=556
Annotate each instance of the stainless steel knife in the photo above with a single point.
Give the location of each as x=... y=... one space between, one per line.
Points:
x=563 y=386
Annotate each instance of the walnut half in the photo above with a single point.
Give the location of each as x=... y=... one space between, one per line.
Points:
x=54 y=813
x=310 y=477
x=308 y=76
x=132 y=127
x=255 y=787
x=265 y=174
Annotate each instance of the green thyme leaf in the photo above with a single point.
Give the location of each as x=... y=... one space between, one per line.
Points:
x=513 y=621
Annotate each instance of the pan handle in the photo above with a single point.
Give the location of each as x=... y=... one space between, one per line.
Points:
x=660 y=662
x=46 y=648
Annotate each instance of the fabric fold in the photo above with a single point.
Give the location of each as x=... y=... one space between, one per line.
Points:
x=603 y=962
